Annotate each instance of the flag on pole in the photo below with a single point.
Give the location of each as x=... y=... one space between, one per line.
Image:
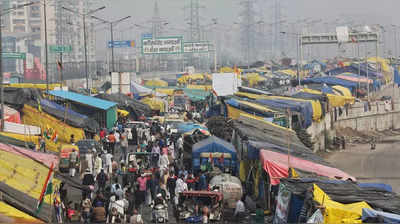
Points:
x=47 y=188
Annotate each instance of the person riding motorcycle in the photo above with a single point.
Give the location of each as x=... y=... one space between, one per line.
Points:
x=160 y=209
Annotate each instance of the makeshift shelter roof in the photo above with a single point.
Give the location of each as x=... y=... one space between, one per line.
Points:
x=330 y=80
x=387 y=217
x=347 y=192
x=336 y=212
x=304 y=108
x=213 y=144
x=264 y=134
x=82 y=99
x=188 y=126
x=277 y=166
x=128 y=103
x=354 y=78
x=139 y=89
x=22 y=182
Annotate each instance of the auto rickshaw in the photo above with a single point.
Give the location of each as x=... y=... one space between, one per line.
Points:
x=64 y=152
x=192 y=203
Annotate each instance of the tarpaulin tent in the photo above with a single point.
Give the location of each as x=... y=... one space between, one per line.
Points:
x=103 y=111
x=348 y=192
x=216 y=145
x=336 y=212
x=156 y=82
x=249 y=108
x=154 y=103
x=304 y=108
x=22 y=182
x=330 y=80
x=70 y=116
x=134 y=107
x=139 y=89
x=196 y=95
x=354 y=78
x=44 y=158
x=188 y=126
x=16 y=215
x=277 y=166
x=381 y=186
x=387 y=217
x=46 y=122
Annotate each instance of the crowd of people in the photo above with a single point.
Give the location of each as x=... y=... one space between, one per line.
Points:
x=117 y=183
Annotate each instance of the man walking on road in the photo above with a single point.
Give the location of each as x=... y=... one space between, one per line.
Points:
x=73 y=159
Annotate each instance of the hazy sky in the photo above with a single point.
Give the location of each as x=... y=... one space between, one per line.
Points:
x=227 y=11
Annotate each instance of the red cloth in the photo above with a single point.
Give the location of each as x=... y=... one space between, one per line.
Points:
x=102 y=134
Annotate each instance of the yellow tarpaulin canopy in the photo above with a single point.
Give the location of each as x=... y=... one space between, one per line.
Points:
x=33 y=86
x=17 y=215
x=156 y=82
x=169 y=92
x=226 y=70
x=235 y=113
x=256 y=106
x=316 y=105
x=334 y=100
x=346 y=92
x=123 y=113
x=154 y=103
x=384 y=63
x=201 y=87
x=288 y=72
x=336 y=212
x=186 y=78
x=253 y=78
x=24 y=174
x=46 y=122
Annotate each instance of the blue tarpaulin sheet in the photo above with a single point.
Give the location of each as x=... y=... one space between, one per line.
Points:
x=186 y=127
x=330 y=80
x=56 y=106
x=381 y=186
x=356 y=69
x=304 y=108
x=387 y=217
x=212 y=144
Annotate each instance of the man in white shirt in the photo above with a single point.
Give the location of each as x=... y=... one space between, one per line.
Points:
x=98 y=164
x=108 y=158
x=181 y=186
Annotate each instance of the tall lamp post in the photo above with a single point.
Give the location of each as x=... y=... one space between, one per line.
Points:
x=112 y=24
x=298 y=41
x=2 y=13
x=85 y=38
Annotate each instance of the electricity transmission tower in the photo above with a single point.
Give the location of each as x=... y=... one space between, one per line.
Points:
x=192 y=10
x=247 y=27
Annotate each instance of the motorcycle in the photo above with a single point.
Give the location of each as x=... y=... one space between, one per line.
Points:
x=159 y=213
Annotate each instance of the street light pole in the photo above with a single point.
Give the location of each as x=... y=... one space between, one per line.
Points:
x=45 y=44
x=112 y=48
x=86 y=58
x=112 y=23
x=85 y=39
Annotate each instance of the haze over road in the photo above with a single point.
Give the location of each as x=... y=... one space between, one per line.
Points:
x=374 y=166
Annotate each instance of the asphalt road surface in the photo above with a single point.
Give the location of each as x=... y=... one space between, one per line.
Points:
x=373 y=166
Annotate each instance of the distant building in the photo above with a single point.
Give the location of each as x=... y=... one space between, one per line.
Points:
x=63 y=28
